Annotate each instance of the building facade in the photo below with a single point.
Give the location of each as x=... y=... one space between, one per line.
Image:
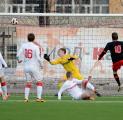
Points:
x=61 y=6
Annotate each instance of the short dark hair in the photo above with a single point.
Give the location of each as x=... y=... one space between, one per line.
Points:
x=31 y=37
x=68 y=74
x=114 y=36
x=63 y=49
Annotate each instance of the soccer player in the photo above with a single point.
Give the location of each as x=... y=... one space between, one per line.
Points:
x=3 y=84
x=116 y=50
x=67 y=61
x=32 y=62
x=71 y=86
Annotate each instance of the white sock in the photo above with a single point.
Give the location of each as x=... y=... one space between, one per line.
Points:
x=39 y=92
x=90 y=86
x=1 y=92
x=4 y=88
x=27 y=91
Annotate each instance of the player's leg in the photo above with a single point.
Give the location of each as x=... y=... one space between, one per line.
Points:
x=38 y=76
x=4 y=85
x=60 y=83
x=116 y=77
x=87 y=85
x=1 y=92
x=39 y=85
x=28 y=86
x=88 y=95
x=115 y=67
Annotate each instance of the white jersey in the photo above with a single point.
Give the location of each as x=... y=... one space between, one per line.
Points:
x=72 y=88
x=31 y=54
x=2 y=61
x=32 y=61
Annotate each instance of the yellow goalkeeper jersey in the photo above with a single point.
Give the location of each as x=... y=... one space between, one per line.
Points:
x=69 y=65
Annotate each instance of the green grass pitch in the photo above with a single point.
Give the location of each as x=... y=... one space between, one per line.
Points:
x=103 y=108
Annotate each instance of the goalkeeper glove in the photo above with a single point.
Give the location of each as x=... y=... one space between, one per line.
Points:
x=46 y=57
x=70 y=59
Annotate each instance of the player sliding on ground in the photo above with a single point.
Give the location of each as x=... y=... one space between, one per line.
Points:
x=3 y=84
x=32 y=62
x=116 y=49
x=67 y=61
x=77 y=93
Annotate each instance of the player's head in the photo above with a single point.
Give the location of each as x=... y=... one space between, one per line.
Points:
x=61 y=52
x=31 y=37
x=69 y=75
x=114 y=36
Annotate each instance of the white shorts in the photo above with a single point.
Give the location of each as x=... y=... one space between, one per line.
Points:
x=1 y=72
x=33 y=73
x=77 y=94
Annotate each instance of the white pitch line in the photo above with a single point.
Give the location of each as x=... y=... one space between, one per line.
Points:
x=69 y=101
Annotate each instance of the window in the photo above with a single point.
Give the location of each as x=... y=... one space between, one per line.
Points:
x=21 y=9
x=85 y=1
x=82 y=9
x=64 y=1
x=15 y=9
x=28 y=9
x=12 y=48
x=36 y=9
x=17 y=1
x=59 y=9
x=9 y=9
x=11 y=55
x=68 y=9
x=32 y=1
x=88 y=9
x=64 y=6
x=96 y=9
x=105 y=9
x=82 y=6
x=77 y=1
x=101 y=1
x=82 y=1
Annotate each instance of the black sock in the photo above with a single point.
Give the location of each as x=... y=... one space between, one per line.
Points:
x=117 y=79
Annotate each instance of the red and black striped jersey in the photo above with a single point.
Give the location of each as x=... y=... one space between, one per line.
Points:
x=116 y=51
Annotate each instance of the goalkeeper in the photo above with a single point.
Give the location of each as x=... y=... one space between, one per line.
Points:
x=67 y=61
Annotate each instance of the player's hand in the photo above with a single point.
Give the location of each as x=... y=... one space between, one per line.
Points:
x=46 y=57
x=70 y=59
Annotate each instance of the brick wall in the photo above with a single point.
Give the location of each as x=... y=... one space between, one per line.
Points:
x=115 y=6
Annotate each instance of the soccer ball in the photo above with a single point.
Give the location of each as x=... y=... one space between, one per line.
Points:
x=14 y=21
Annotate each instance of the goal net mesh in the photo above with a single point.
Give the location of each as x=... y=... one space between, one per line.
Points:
x=82 y=35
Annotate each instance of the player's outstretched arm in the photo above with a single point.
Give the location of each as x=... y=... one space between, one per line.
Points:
x=47 y=57
x=3 y=61
x=53 y=62
x=73 y=57
x=92 y=69
x=104 y=51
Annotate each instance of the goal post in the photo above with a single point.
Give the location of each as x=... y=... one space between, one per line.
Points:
x=84 y=35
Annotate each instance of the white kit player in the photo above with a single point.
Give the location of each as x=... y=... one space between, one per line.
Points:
x=77 y=93
x=32 y=61
x=3 y=84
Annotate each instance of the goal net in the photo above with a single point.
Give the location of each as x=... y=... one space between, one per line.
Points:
x=81 y=34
